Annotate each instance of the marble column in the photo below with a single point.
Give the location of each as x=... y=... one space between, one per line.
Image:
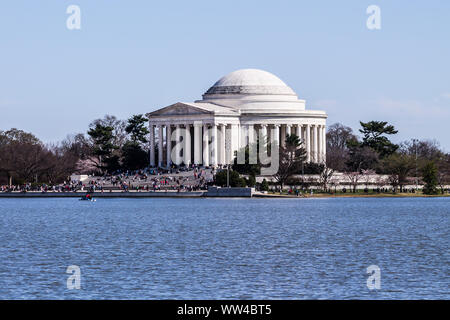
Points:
x=298 y=131
x=288 y=129
x=206 y=152
x=222 y=151
x=152 y=145
x=197 y=143
x=308 y=142
x=252 y=148
x=177 y=151
x=264 y=133
x=315 y=144
x=168 y=145
x=251 y=134
x=283 y=135
x=187 y=144
x=214 y=145
x=234 y=141
x=160 y=145
x=319 y=143
x=276 y=134
x=324 y=144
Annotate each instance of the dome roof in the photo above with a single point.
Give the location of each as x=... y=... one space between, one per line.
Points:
x=250 y=81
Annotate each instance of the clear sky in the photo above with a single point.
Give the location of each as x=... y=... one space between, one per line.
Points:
x=137 y=56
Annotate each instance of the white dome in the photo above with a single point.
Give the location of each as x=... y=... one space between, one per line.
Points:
x=250 y=81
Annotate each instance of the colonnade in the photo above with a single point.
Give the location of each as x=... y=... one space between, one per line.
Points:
x=213 y=144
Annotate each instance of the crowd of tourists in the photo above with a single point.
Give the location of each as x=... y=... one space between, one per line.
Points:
x=153 y=179
x=29 y=187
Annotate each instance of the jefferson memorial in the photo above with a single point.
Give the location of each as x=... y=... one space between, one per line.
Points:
x=240 y=107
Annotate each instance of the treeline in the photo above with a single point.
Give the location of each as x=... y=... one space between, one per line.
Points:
x=109 y=145
x=359 y=158
x=374 y=152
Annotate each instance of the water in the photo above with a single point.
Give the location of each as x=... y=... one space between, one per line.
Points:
x=225 y=248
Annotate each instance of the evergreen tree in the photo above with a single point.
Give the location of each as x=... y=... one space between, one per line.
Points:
x=136 y=128
x=264 y=185
x=134 y=157
x=220 y=179
x=251 y=182
x=103 y=147
x=430 y=177
x=374 y=133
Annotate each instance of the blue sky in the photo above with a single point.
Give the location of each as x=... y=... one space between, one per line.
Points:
x=137 y=56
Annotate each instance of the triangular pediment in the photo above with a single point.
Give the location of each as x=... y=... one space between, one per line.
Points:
x=180 y=108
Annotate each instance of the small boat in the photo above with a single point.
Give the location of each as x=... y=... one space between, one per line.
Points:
x=87 y=197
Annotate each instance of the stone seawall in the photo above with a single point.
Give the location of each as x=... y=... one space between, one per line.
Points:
x=230 y=192
x=169 y=194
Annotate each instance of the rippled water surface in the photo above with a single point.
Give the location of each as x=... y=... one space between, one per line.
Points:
x=224 y=248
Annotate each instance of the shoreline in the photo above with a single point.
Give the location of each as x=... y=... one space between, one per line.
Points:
x=331 y=196
x=204 y=194
x=168 y=194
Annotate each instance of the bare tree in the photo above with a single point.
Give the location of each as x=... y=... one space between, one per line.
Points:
x=119 y=128
x=325 y=177
x=367 y=176
x=334 y=182
x=380 y=181
x=354 y=178
x=443 y=175
x=398 y=166
x=337 y=151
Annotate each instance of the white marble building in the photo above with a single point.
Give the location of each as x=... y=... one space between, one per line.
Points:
x=231 y=114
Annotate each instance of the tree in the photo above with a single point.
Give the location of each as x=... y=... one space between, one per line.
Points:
x=429 y=176
x=367 y=176
x=81 y=148
x=338 y=136
x=264 y=185
x=136 y=129
x=325 y=177
x=103 y=147
x=24 y=158
x=360 y=157
x=353 y=178
x=398 y=166
x=380 y=181
x=443 y=167
x=21 y=155
x=220 y=179
x=134 y=157
x=18 y=136
x=251 y=181
x=62 y=163
x=374 y=136
x=291 y=158
x=119 y=135
x=247 y=168
x=426 y=150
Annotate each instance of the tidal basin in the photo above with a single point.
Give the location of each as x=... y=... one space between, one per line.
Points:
x=162 y=248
